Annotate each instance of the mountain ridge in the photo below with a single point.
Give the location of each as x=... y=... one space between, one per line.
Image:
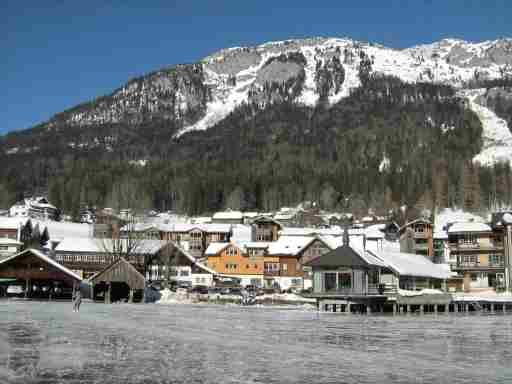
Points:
x=321 y=114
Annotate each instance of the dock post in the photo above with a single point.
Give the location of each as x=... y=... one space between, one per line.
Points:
x=394 y=309
x=368 y=309
x=455 y=307
x=435 y=309
x=130 y=298
x=408 y=308
x=347 y=308
x=492 y=307
x=504 y=307
x=422 y=309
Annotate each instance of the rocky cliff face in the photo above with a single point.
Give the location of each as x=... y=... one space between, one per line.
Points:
x=195 y=97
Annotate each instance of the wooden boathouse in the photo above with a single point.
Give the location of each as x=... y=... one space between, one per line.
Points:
x=352 y=279
x=39 y=276
x=118 y=281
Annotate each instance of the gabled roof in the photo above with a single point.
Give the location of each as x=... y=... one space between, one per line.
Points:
x=344 y=256
x=95 y=245
x=409 y=264
x=228 y=215
x=129 y=274
x=45 y=258
x=292 y=245
x=194 y=261
x=139 y=227
x=215 y=248
x=417 y=221
x=469 y=227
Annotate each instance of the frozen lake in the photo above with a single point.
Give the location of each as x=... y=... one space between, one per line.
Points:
x=47 y=343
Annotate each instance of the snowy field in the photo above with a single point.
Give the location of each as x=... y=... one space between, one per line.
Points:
x=48 y=343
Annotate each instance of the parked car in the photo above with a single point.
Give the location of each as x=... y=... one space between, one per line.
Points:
x=15 y=291
x=201 y=289
x=185 y=284
x=306 y=291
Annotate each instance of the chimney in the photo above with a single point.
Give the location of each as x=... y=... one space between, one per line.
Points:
x=346 y=239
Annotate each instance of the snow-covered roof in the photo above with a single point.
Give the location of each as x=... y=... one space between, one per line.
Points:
x=214 y=248
x=250 y=214
x=301 y=231
x=375 y=231
x=58 y=230
x=228 y=215
x=195 y=262
x=441 y=235
x=449 y=216
x=284 y=216
x=241 y=234
x=12 y=222
x=139 y=227
x=408 y=264
x=94 y=245
x=205 y=227
x=46 y=259
x=201 y=220
x=257 y=244
x=290 y=245
x=469 y=227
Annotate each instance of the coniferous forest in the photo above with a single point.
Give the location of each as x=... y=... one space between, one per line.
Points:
x=386 y=145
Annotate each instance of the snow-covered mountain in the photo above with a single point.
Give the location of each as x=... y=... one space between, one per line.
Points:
x=309 y=71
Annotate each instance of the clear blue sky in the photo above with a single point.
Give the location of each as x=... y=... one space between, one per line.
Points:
x=56 y=54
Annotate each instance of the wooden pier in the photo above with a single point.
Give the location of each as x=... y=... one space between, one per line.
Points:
x=421 y=304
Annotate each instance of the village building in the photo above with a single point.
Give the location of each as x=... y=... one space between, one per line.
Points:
x=119 y=281
x=35 y=275
x=286 y=216
x=265 y=228
x=230 y=259
x=9 y=247
x=352 y=276
x=442 y=249
x=417 y=237
x=479 y=253
x=196 y=237
x=87 y=256
x=248 y=217
x=272 y=265
x=228 y=217
x=148 y=231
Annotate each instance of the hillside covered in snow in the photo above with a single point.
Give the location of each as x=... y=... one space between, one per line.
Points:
x=330 y=117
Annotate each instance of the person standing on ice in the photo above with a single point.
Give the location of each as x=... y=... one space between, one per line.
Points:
x=77 y=300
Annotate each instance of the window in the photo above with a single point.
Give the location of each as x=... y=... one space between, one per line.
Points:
x=468 y=238
x=183 y=273
x=231 y=251
x=231 y=266
x=345 y=280
x=419 y=229
x=470 y=259
x=474 y=277
x=495 y=259
x=271 y=267
x=284 y=267
x=330 y=281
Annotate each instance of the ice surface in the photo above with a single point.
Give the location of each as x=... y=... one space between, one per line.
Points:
x=133 y=343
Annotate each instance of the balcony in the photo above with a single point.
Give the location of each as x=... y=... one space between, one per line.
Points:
x=478 y=266
x=371 y=290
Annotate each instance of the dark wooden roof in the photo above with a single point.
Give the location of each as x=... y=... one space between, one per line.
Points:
x=343 y=256
x=120 y=271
